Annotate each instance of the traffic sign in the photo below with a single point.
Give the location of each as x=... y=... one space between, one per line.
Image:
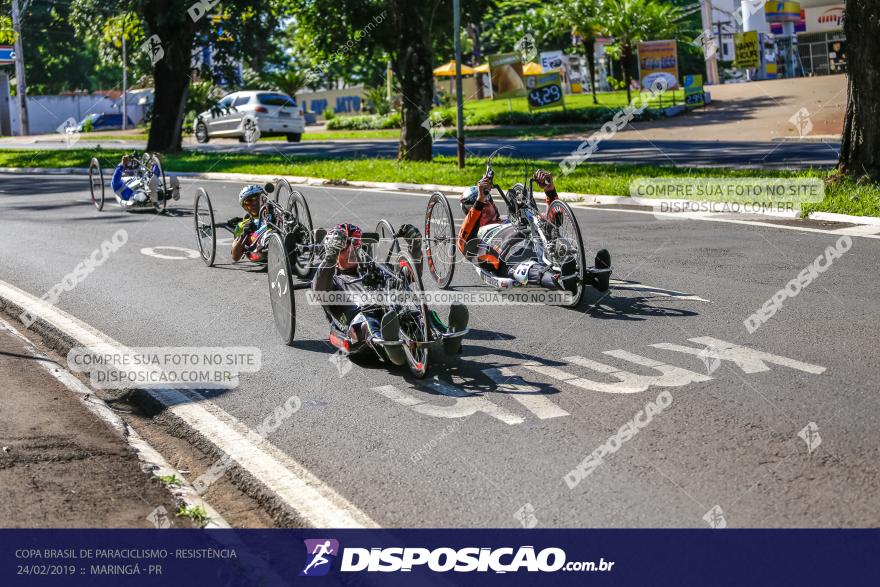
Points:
x=7 y=55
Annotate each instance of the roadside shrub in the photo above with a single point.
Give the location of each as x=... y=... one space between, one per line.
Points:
x=446 y=117
x=519 y=118
x=88 y=125
x=370 y=122
x=329 y=114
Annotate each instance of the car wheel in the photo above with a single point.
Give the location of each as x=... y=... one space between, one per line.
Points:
x=202 y=133
x=294 y=138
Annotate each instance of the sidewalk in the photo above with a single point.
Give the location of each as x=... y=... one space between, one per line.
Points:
x=60 y=466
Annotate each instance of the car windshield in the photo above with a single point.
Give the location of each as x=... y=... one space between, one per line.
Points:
x=276 y=100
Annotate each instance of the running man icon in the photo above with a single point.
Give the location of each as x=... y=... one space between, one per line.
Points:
x=320 y=555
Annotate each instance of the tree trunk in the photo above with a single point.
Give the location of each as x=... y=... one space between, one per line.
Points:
x=474 y=34
x=590 y=49
x=413 y=66
x=860 y=148
x=171 y=73
x=627 y=77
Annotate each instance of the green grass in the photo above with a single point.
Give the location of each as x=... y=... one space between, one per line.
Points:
x=97 y=136
x=842 y=197
x=195 y=513
x=523 y=132
x=169 y=480
x=607 y=100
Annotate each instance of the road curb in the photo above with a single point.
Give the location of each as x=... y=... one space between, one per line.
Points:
x=151 y=461
x=571 y=197
x=290 y=492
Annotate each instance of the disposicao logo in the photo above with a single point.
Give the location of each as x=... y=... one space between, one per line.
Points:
x=320 y=554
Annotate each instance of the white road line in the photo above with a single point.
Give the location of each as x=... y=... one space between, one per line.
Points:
x=861 y=230
x=627 y=382
x=669 y=293
x=473 y=402
x=530 y=396
x=748 y=359
x=695 y=216
x=316 y=503
x=465 y=405
x=151 y=461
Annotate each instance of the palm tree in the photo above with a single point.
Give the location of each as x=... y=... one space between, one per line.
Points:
x=630 y=22
x=583 y=18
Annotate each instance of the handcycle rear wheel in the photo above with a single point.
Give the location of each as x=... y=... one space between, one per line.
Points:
x=440 y=239
x=204 y=222
x=569 y=242
x=281 y=288
x=96 y=183
x=413 y=316
x=155 y=166
x=300 y=234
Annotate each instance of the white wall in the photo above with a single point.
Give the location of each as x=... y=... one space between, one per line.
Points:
x=47 y=113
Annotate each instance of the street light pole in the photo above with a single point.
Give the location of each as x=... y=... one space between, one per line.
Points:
x=124 y=81
x=711 y=61
x=20 y=83
x=459 y=105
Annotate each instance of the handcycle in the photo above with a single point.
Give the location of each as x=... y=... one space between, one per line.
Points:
x=390 y=280
x=151 y=178
x=282 y=209
x=554 y=238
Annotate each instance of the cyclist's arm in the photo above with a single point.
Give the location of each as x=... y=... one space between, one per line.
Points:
x=241 y=233
x=118 y=185
x=470 y=226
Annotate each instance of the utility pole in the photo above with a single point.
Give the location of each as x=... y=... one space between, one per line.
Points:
x=459 y=105
x=711 y=62
x=20 y=83
x=124 y=81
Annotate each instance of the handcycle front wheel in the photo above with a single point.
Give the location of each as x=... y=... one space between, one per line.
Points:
x=300 y=234
x=282 y=188
x=569 y=243
x=413 y=316
x=204 y=222
x=387 y=245
x=155 y=167
x=440 y=239
x=281 y=288
x=96 y=183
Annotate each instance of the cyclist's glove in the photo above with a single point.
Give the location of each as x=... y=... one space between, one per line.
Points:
x=334 y=242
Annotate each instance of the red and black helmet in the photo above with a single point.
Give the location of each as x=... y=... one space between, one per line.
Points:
x=353 y=233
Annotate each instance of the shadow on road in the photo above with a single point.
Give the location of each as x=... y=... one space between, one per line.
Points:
x=15 y=185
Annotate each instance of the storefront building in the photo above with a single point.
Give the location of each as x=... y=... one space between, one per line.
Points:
x=821 y=43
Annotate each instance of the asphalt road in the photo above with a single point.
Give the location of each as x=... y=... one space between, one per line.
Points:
x=767 y=155
x=466 y=450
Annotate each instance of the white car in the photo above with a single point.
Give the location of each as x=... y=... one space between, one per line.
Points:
x=250 y=115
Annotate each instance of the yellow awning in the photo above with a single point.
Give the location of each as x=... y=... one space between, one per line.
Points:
x=532 y=68
x=482 y=68
x=448 y=70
